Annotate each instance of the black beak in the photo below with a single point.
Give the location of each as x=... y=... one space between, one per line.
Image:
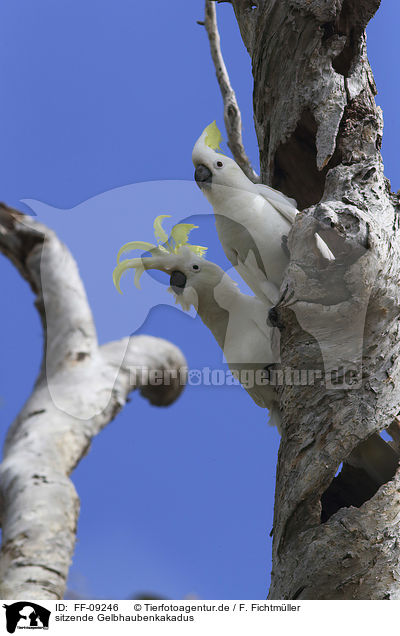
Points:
x=202 y=175
x=177 y=282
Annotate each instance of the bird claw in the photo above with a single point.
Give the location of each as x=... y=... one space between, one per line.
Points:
x=273 y=319
x=286 y=297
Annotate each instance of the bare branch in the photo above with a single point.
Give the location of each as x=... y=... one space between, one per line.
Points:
x=232 y=116
x=54 y=278
x=134 y=356
x=80 y=389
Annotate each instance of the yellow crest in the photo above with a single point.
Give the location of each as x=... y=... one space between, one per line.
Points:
x=213 y=136
x=165 y=245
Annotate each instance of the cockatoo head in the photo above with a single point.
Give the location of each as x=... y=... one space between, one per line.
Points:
x=217 y=175
x=192 y=278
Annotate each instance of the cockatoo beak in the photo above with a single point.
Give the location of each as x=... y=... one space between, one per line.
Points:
x=202 y=175
x=177 y=282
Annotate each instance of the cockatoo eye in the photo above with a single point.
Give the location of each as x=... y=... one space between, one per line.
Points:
x=219 y=164
x=196 y=268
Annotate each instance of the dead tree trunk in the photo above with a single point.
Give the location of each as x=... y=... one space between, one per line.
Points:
x=319 y=133
x=80 y=389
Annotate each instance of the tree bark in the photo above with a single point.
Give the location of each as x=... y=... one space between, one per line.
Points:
x=319 y=133
x=80 y=389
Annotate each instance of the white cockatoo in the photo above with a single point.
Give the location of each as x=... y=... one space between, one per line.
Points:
x=253 y=220
x=236 y=320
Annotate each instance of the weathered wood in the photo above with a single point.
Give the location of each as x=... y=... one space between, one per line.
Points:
x=319 y=132
x=232 y=115
x=80 y=389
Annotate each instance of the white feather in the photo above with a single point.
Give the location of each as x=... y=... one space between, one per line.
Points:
x=252 y=222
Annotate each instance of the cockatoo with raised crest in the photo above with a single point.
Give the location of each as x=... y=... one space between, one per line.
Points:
x=253 y=220
x=236 y=320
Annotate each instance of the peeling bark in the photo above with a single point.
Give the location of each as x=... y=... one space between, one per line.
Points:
x=319 y=134
x=80 y=389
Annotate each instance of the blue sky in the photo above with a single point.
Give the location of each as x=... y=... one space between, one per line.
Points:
x=101 y=105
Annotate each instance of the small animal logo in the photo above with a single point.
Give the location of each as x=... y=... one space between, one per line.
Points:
x=24 y=614
x=194 y=377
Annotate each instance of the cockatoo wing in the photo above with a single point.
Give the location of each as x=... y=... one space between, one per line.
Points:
x=281 y=203
x=271 y=334
x=287 y=207
x=256 y=279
